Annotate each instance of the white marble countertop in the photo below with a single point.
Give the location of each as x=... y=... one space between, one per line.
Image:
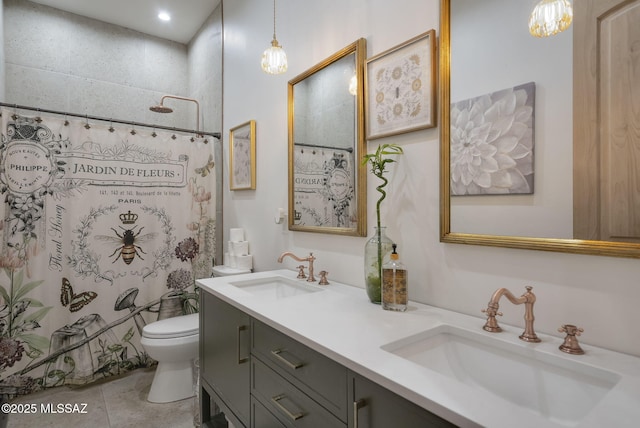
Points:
x=342 y=324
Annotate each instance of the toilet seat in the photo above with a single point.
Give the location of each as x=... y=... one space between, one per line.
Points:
x=180 y=326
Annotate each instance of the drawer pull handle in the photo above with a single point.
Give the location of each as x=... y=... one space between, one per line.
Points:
x=294 y=416
x=357 y=405
x=241 y=360
x=294 y=366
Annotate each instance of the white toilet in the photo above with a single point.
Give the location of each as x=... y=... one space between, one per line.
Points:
x=173 y=343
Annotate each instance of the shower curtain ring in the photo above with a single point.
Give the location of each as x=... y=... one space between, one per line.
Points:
x=38 y=119
x=86 y=125
x=133 y=129
x=111 y=128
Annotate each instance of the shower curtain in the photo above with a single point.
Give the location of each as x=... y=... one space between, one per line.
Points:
x=104 y=229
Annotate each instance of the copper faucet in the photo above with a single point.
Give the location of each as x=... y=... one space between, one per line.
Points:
x=309 y=259
x=527 y=298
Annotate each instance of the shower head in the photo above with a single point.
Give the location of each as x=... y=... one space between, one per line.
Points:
x=161 y=109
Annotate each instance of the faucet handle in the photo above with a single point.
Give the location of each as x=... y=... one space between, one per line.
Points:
x=571 y=329
x=571 y=345
x=490 y=312
x=301 y=274
x=491 y=324
x=323 y=278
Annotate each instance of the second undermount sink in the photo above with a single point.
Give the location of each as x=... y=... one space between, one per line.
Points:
x=276 y=287
x=559 y=389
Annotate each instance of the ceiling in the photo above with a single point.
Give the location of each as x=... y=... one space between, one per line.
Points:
x=187 y=16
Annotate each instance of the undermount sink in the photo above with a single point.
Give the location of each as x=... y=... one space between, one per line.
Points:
x=276 y=287
x=560 y=389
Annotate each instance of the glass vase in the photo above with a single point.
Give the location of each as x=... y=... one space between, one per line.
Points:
x=376 y=252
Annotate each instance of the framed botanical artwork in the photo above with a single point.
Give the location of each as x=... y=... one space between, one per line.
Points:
x=400 y=88
x=242 y=156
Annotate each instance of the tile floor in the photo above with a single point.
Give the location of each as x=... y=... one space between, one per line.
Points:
x=119 y=402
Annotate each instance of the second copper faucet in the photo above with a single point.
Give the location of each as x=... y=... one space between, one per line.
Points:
x=528 y=298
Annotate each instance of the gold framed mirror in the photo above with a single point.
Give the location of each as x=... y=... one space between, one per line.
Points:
x=327 y=183
x=565 y=133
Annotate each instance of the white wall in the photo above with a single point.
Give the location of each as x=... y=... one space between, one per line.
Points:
x=599 y=294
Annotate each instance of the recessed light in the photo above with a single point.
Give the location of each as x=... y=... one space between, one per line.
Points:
x=164 y=16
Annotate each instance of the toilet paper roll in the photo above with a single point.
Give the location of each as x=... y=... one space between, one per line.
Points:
x=240 y=248
x=236 y=234
x=233 y=260
x=244 y=262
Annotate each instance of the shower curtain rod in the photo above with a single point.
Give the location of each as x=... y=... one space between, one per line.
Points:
x=350 y=150
x=104 y=119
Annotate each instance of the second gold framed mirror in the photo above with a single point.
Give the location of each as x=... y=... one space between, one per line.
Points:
x=327 y=183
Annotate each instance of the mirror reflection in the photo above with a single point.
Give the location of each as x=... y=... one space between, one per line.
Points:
x=510 y=123
x=326 y=180
x=531 y=158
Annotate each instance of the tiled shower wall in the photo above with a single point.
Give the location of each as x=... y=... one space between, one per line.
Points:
x=61 y=61
x=2 y=73
x=205 y=71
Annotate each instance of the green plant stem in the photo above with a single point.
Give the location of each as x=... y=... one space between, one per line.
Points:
x=379 y=230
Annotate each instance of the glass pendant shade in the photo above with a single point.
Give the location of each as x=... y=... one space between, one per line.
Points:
x=550 y=17
x=274 y=59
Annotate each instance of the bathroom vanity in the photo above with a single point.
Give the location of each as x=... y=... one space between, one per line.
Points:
x=280 y=352
x=266 y=379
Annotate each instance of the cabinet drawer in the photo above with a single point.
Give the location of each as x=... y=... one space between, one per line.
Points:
x=316 y=375
x=291 y=406
x=263 y=418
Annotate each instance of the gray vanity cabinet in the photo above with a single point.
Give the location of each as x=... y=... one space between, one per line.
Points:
x=262 y=378
x=225 y=346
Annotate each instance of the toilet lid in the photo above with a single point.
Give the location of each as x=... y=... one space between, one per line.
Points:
x=223 y=270
x=180 y=326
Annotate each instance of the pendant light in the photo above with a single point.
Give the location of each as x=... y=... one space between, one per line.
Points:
x=550 y=17
x=274 y=59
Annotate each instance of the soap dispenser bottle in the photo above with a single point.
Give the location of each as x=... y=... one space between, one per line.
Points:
x=394 y=284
